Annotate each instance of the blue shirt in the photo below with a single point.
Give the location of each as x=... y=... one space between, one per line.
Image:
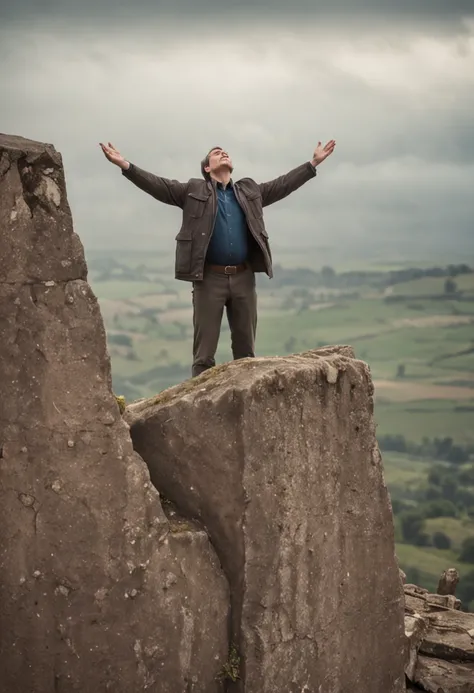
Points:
x=229 y=240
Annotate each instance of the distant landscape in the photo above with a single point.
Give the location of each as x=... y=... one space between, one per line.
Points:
x=413 y=323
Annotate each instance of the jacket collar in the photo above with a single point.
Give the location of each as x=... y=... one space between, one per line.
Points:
x=213 y=184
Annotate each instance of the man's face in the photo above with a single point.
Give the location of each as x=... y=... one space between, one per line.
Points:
x=219 y=159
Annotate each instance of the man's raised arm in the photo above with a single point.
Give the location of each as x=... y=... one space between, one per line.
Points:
x=277 y=189
x=171 y=192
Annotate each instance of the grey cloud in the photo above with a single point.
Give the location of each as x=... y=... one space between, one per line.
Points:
x=424 y=10
x=403 y=167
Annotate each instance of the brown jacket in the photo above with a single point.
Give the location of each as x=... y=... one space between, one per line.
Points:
x=198 y=200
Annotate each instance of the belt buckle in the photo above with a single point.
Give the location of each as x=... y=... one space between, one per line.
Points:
x=233 y=269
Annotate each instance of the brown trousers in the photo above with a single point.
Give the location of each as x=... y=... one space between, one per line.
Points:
x=234 y=292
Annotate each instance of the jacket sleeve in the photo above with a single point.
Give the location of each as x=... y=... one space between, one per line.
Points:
x=171 y=192
x=281 y=187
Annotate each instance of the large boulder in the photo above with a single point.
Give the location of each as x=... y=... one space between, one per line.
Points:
x=441 y=641
x=277 y=459
x=441 y=676
x=99 y=591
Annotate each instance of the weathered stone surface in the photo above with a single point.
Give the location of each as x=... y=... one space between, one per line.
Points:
x=98 y=590
x=415 y=631
x=439 y=676
x=448 y=582
x=37 y=243
x=449 y=632
x=277 y=458
x=441 y=639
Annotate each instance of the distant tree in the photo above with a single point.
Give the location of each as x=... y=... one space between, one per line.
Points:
x=401 y=370
x=465 y=589
x=450 y=286
x=132 y=355
x=449 y=488
x=467 y=550
x=435 y=476
x=441 y=540
x=439 y=508
x=433 y=493
x=120 y=339
x=466 y=476
x=328 y=276
x=397 y=506
x=465 y=498
x=395 y=443
x=412 y=524
x=442 y=447
x=422 y=539
x=457 y=455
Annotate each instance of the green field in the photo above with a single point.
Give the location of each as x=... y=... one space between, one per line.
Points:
x=404 y=470
x=430 y=562
x=427 y=418
x=416 y=334
x=433 y=285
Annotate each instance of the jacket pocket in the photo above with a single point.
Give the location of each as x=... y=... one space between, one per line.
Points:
x=254 y=201
x=184 y=251
x=196 y=205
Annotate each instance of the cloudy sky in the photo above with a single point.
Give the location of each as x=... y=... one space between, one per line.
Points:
x=164 y=80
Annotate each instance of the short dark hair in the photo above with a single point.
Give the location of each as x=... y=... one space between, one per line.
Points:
x=205 y=163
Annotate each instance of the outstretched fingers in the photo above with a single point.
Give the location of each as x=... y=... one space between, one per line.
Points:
x=108 y=153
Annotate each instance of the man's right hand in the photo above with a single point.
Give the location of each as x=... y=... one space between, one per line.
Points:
x=114 y=156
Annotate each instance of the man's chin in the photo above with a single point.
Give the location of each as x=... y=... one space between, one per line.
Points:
x=226 y=166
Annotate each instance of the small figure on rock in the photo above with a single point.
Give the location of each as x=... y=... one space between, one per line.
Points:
x=448 y=581
x=222 y=241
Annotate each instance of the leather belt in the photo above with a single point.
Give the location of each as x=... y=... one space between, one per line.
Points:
x=227 y=269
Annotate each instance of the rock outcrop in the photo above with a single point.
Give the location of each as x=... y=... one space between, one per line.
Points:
x=277 y=459
x=440 y=652
x=99 y=591
x=106 y=587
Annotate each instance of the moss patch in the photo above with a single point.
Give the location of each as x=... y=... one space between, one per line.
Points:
x=177 y=523
x=181 y=526
x=231 y=669
x=188 y=385
x=121 y=403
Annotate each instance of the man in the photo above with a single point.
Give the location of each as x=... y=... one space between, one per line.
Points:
x=222 y=242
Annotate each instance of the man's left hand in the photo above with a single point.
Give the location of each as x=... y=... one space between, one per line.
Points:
x=321 y=153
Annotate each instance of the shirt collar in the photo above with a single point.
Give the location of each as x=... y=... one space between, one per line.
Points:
x=221 y=187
